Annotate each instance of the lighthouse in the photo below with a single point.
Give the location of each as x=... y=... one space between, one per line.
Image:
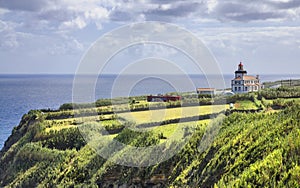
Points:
x=243 y=83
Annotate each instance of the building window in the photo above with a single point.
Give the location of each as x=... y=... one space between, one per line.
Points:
x=246 y=88
x=235 y=88
x=239 y=88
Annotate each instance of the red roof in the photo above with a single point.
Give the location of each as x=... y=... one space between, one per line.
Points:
x=246 y=78
x=250 y=78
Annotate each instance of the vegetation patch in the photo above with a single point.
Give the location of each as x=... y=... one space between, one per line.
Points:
x=245 y=105
x=239 y=150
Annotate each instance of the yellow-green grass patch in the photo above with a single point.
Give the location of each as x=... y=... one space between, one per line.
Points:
x=171 y=113
x=177 y=128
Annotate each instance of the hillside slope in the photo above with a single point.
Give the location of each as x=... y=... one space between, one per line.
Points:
x=259 y=149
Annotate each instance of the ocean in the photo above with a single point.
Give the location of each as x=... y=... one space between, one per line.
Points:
x=21 y=93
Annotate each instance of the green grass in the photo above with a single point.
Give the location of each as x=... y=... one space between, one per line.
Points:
x=176 y=130
x=58 y=128
x=171 y=113
x=271 y=101
x=290 y=99
x=245 y=105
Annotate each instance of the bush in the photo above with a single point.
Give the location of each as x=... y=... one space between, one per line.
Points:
x=137 y=139
x=103 y=102
x=281 y=92
x=64 y=139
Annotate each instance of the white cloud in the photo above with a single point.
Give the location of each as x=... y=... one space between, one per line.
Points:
x=70 y=14
x=54 y=44
x=8 y=37
x=75 y=23
x=211 y=5
x=64 y=14
x=234 y=28
x=3 y=11
x=270 y=49
x=237 y=41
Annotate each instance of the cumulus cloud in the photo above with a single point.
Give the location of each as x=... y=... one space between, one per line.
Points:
x=285 y=4
x=247 y=10
x=47 y=21
x=52 y=44
x=156 y=10
x=49 y=17
x=174 y=10
x=63 y=14
x=67 y=14
x=222 y=10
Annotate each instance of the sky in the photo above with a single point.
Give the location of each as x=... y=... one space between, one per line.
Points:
x=52 y=36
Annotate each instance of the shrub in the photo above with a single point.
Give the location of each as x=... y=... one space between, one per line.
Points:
x=65 y=139
x=137 y=139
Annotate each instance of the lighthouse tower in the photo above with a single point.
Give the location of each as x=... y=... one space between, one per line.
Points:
x=240 y=72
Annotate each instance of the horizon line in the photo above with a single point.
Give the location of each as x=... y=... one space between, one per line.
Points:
x=115 y=74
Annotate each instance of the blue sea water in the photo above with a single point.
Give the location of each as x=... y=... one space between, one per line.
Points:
x=21 y=93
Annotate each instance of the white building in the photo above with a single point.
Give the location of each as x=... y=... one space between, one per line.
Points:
x=242 y=83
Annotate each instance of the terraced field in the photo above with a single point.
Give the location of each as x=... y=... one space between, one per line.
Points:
x=171 y=113
x=137 y=117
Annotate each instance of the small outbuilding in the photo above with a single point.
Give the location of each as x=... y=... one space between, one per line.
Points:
x=206 y=91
